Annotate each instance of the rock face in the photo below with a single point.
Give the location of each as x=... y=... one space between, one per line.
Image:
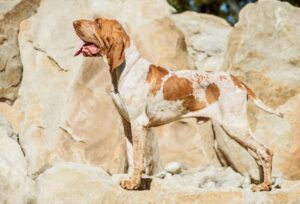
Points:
x=206 y=37
x=167 y=50
x=265 y=56
x=12 y=12
x=187 y=142
x=15 y=186
x=77 y=183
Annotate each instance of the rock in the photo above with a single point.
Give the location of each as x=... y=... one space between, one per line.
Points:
x=11 y=14
x=79 y=183
x=170 y=48
x=282 y=135
x=15 y=186
x=265 y=56
x=206 y=178
x=206 y=37
x=73 y=183
x=187 y=142
x=174 y=167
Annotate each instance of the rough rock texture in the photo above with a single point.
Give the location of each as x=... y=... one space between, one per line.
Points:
x=205 y=178
x=65 y=110
x=206 y=37
x=167 y=50
x=82 y=184
x=265 y=56
x=15 y=186
x=12 y=12
x=187 y=142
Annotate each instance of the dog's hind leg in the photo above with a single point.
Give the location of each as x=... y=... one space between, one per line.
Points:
x=263 y=155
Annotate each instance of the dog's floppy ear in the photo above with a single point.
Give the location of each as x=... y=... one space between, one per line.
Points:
x=116 y=54
x=111 y=27
x=115 y=39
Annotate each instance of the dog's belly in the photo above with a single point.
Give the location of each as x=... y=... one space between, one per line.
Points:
x=163 y=112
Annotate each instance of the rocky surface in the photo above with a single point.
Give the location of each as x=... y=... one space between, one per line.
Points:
x=15 y=185
x=170 y=47
x=265 y=56
x=187 y=142
x=206 y=37
x=11 y=14
x=77 y=183
x=64 y=122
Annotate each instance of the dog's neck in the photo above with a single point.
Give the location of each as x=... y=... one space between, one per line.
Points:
x=131 y=57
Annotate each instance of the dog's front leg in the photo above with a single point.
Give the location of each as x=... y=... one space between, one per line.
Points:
x=139 y=132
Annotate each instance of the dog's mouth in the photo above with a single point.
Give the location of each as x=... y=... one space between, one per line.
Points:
x=88 y=49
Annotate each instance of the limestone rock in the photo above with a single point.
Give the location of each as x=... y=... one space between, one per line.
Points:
x=283 y=135
x=163 y=43
x=15 y=186
x=12 y=12
x=78 y=183
x=205 y=178
x=265 y=56
x=206 y=37
x=187 y=142
x=174 y=167
x=73 y=183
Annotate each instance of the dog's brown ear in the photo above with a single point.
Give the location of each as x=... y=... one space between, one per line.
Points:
x=111 y=27
x=116 y=55
x=115 y=39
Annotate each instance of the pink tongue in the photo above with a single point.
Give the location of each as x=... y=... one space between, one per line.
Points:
x=87 y=48
x=79 y=48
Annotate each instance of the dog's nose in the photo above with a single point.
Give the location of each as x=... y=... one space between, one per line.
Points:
x=76 y=23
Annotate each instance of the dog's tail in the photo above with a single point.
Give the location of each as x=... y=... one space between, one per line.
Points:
x=254 y=98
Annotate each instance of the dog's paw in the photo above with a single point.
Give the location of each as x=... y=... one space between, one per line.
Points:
x=261 y=187
x=131 y=183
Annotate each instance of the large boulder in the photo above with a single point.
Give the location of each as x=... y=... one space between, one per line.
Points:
x=12 y=12
x=15 y=185
x=169 y=49
x=265 y=56
x=187 y=142
x=206 y=37
x=78 y=183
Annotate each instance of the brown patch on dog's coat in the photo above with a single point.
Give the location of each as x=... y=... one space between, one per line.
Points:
x=242 y=86
x=180 y=88
x=154 y=78
x=193 y=104
x=212 y=93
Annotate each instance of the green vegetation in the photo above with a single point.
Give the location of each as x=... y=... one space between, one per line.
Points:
x=227 y=9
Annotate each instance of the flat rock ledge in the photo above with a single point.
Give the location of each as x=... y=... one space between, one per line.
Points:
x=77 y=183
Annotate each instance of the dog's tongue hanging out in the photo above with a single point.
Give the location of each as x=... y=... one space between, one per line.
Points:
x=88 y=49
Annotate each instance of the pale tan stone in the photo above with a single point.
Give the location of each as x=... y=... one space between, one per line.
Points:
x=264 y=51
x=206 y=37
x=11 y=14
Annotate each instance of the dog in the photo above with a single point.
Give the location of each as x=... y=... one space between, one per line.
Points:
x=148 y=95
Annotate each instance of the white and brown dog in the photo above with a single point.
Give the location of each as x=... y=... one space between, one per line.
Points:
x=147 y=95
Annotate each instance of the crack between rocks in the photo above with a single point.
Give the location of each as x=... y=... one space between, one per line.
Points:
x=21 y=147
x=52 y=60
x=71 y=136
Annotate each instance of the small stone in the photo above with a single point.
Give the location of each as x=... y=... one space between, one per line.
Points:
x=174 y=167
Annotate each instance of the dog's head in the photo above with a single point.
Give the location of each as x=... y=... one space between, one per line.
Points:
x=102 y=37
